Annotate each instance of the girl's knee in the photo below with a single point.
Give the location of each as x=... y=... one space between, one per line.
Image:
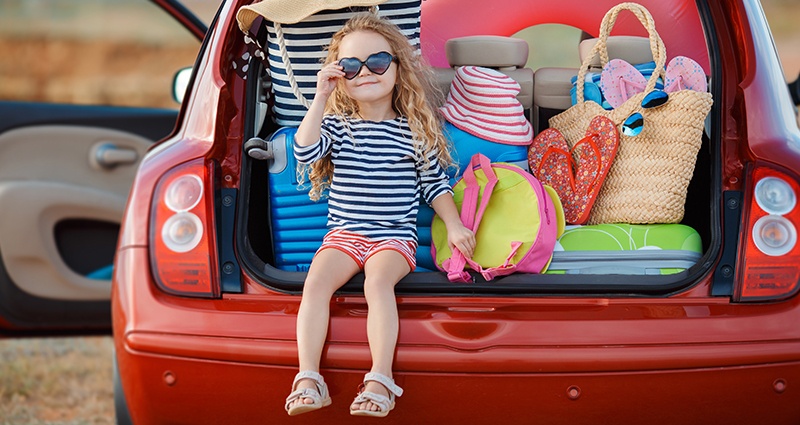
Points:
x=378 y=287
x=317 y=288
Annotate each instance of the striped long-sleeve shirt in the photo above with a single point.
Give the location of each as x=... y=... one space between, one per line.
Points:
x=377 y=176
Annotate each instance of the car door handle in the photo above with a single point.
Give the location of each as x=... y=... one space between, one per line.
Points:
x=109 y=155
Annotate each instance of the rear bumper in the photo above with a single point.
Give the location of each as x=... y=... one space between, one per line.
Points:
x=444 y=360
x=189 y=390
x=232 y=360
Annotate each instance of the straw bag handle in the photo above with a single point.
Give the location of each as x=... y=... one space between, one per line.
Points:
x=288 y=63
x=657 y=47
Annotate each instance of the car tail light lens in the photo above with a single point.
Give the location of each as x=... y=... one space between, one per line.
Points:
x=183 y=248
x=769 y=254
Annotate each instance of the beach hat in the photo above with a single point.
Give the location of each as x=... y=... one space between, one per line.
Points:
x=292 y=11
x=483 y=102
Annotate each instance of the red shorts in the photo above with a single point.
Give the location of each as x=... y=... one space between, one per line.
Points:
x=360 y=248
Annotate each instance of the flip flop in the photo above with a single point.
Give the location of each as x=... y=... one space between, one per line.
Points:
x=620 y=81
x=684 y=74
x=576 y=174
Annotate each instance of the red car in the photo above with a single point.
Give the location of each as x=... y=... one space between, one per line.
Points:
x=204 y=318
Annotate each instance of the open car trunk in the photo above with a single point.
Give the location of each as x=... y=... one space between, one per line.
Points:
x=262 y=213
x=257 y=247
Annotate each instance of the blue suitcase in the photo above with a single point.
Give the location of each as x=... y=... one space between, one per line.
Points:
x=298 y=223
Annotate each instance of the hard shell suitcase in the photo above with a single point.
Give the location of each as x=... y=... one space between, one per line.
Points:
x=298 y=223
x=645 y=249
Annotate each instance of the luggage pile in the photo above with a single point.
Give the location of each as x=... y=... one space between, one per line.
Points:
x=588 y=202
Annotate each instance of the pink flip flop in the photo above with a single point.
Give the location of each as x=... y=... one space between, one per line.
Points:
x=576 y=174
x=620 y=81
x=684 y=74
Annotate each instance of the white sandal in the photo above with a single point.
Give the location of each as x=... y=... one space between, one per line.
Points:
x=320 y=396
x=385 y=404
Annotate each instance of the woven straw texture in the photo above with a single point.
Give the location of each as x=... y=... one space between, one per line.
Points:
x=648 y=180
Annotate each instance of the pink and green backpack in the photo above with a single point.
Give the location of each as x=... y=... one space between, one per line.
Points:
x=516 y=220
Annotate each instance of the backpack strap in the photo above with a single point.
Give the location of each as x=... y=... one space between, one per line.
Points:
x=471 y=213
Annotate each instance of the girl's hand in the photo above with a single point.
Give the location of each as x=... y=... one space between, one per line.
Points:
x=461 y=238
x=327 y=77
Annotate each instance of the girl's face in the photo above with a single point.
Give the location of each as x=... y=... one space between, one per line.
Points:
x=366 y=86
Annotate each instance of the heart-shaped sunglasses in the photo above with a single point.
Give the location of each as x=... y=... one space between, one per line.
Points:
x=377 y=63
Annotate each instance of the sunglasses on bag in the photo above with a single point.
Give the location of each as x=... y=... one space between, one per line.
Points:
x=377 y=63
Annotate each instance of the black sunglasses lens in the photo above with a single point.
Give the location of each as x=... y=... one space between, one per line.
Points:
x=379 y=62
x=350 y=66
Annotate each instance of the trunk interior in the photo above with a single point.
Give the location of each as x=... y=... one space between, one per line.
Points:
x=258 y=249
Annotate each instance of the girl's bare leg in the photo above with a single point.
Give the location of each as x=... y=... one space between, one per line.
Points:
x=329 y=270
x=383 y=270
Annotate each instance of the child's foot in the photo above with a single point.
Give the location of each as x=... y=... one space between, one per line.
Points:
x=304 y=384
x=309 y=392
x=376 y=397
x=372 y=387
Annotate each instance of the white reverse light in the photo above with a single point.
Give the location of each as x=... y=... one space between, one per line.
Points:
x=774 y=235
x=775 y=196
x=184 y=193
x=182 y=232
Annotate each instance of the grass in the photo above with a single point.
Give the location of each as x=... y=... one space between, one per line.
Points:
x=56 y=381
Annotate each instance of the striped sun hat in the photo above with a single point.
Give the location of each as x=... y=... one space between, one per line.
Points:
x=483 y=102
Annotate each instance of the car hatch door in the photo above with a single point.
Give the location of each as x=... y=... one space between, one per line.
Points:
x=86 y=90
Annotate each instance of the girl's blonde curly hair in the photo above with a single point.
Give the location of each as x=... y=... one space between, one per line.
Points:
x=415 y=97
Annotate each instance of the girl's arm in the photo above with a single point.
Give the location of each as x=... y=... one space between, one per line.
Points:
x=458 y=236
x=308 y=132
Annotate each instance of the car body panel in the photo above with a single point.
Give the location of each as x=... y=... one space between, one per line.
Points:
x=775 y=137
x=602 y=349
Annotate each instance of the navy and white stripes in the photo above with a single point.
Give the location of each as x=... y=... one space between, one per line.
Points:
x=305 y=43
x=377 y=178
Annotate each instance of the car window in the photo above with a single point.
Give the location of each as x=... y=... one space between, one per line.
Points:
x=548 y=44
x=91 y=52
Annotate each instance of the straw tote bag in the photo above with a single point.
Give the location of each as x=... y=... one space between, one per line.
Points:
x=298 y=33
x=649 y=177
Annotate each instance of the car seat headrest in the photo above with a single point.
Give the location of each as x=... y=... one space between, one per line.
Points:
x=632 y=49
x=490 y=51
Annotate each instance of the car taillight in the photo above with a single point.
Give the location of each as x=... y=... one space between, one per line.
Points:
x=183 y=246
x=769 y=255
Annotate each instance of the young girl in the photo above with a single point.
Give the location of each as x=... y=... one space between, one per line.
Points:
x=371 y=137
